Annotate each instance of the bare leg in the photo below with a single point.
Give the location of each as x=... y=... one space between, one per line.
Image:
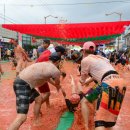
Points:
x=45 y=97
x=20 y=119
x=73 y=85
x=85 y=112
x=37 y=107
x=84 y=107
x=48 y=102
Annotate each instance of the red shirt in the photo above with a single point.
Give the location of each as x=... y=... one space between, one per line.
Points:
x=44 y=56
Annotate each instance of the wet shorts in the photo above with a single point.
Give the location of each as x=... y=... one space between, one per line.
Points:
x=93 y=93
x=24 y=95
x=109 y=103
x=44 y=88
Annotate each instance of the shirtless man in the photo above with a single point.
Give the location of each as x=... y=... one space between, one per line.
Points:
x=20 y=56
x=24 y=86
x=44 y=89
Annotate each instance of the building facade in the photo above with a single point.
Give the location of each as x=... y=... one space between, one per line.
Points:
x=127 y=37
x=6 y=36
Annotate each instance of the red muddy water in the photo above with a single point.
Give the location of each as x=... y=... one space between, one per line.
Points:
x=52 y=115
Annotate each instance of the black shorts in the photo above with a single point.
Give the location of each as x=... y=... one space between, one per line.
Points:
x=24 y=95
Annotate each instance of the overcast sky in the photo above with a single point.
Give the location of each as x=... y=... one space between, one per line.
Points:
x=34 y=11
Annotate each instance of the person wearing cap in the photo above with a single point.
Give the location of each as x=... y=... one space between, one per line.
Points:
x=60 y=50
x=24 y=87
x=110 y=92
x=21 y=57
x=43 y=47
x=44 y=57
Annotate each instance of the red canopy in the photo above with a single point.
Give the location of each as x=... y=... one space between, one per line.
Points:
x=79 y=30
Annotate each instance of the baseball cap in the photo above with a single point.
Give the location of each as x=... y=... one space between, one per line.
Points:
x=89 y=46
x=54 y=57
x=60 y=49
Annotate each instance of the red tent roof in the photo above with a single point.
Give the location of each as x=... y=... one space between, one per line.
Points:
x=67 y=31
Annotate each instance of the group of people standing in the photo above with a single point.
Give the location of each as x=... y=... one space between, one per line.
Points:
x=108 y=94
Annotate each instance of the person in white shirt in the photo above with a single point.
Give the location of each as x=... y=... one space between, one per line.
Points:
x=109 y=93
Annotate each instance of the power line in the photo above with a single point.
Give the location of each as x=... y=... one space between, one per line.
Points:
x=45 y=4
x=84 y=3
x=6 y=19
x=65 y=4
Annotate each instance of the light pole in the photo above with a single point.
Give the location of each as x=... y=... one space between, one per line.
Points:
x=45 y=18
x=4 y=13
x=120 y=14
x=120 y=18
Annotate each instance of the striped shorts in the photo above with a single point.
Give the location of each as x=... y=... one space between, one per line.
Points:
x=24 y=95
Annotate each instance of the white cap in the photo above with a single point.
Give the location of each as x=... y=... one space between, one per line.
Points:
x=88 y=45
